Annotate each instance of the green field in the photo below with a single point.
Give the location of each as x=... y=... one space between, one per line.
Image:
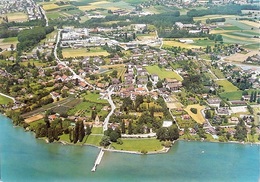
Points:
x=94 y=97
x=94 y=140
x=97 y=130
x=227 y=86
x=218 y=73
x=149 y=145
x=236 y=95
x=96 y=51
x=203 y=42
x=5 y=100
x=162 y=73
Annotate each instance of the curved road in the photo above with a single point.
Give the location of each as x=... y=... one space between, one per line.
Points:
x=75 y=76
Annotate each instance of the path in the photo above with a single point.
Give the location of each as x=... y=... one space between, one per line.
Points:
x=139 y=135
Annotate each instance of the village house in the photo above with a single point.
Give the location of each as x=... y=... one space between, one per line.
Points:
x=173 y=84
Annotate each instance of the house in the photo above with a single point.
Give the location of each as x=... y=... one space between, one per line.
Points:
x=234 y=120
x=167 y=124
x=238 y=102
x=155 y=77
x=214 y=102
x=223 y=111
x=173 y=84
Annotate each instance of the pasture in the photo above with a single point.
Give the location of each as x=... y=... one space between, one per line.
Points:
x=227 y=86
x=197 y=117
x=162 y=73
x=96 y=51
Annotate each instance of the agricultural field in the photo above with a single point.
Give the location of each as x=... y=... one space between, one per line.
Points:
x=172 y=43
x=149 y=145
x=106 y=5
x=5 y=100
x=227 y=86
x=197 y=117
x=162 y=73
x=96 y=51
x=238 y=57
x=204 y=18
x=242 y=32
x=16 y=16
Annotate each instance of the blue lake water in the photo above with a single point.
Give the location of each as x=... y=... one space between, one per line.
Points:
x=24 y=158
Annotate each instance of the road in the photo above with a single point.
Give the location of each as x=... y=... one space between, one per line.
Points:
x=44 y=15
x=75 y=76
x=113 y=107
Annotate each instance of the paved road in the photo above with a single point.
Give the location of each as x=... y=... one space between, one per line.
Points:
x=44 y=15
x=75 y=76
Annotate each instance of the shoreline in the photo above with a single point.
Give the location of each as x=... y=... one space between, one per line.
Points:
x=162 y=151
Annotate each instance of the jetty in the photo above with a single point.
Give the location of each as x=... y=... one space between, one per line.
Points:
x=98 y=160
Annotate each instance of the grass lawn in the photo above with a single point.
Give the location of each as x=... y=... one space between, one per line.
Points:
x=97 y=51
x=252 y=138
x=139 y=145
x=218 y=73
x=94 y=140
x=34 y=124
x=97 y=130
x=94 y=97
x=197 y=117
x=227 y=86
x=5 y=100
x=231 y=95
x=162 y=73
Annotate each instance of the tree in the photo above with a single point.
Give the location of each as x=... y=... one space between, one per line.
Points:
x=81 y=131
x=208 y=114
x=130 y=128
x=173 y=133
x=114 y=136
x=161 y=134
x=159 y=84
x=123 y=126
x=105 y=141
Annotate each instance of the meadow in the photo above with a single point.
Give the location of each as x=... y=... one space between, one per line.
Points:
x=227 y=86
x=162 y=73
